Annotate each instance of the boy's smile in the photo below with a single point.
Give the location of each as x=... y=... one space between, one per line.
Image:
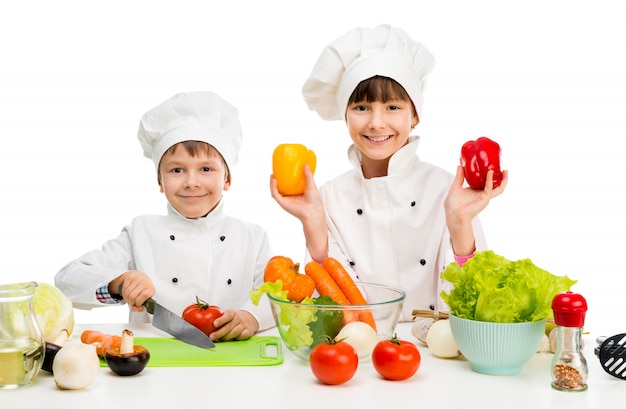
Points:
x=193 y=185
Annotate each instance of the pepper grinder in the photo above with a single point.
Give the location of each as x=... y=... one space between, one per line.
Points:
x=569 y=366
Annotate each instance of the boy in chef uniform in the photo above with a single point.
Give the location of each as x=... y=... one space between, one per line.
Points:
x=194 y=250
x=393 y=219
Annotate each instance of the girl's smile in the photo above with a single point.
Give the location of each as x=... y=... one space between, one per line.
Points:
x=378 y=139
x=379 y=129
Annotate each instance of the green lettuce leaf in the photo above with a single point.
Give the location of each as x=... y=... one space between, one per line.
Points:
x=489 y=287
x=275 y=289
x=327 y=323
x=293 y=327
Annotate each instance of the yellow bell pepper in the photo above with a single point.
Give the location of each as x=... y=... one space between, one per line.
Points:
x=288 y=162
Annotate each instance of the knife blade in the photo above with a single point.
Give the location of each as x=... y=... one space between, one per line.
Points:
x=167 y=321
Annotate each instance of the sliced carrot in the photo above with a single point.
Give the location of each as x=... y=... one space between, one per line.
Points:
x=90 y=336
x=349 y=288
x=104 y=344
x=325 y=285
x=104 y=341
x=116 y=342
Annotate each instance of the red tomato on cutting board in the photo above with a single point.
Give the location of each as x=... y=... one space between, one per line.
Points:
x=201 y=315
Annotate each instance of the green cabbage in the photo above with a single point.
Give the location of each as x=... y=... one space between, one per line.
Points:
x=54 y=311
x=490 y=288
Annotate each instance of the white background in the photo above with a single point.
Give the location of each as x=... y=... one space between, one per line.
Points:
x=543 y=78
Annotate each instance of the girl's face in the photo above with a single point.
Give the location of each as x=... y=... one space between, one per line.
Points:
x=193 y=185
x=379 y=129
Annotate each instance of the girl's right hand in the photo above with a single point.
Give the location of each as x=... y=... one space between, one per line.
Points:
x=309 y=209
x=299 y=206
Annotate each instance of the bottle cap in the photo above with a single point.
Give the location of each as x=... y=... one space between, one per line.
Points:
x=569 y=309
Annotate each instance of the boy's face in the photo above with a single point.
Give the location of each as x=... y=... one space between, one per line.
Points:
x=193 y=185
x=379 y=129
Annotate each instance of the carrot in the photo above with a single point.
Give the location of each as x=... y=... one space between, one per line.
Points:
x=90 y=336
x=325 y=285
x=104 y=341
x=349 y=288
x=104 y=344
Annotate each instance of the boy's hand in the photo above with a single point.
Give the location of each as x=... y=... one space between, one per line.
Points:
x=136 y=288
x=234 y=325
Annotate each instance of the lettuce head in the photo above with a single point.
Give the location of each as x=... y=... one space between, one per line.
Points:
x=490 y=288
x=54 y=311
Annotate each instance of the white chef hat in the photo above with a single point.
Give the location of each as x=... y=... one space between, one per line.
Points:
x=194 y=116
x=361 y=54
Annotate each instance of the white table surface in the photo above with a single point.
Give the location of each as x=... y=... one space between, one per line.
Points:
x=439 y=383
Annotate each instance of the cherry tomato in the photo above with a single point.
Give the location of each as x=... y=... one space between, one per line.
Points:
x=334 y=363
x=395 y=359
x=201 y=315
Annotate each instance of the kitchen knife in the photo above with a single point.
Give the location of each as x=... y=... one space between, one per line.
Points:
x=167 y=321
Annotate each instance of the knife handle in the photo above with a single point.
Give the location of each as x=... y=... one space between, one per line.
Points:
x=149 y=304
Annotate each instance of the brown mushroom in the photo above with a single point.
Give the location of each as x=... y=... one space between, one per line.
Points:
x=129 y=359
x=51 y=350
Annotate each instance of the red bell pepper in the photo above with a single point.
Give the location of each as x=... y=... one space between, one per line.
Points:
x=477 y=158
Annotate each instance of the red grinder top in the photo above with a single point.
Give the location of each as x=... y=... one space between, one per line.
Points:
x=569 y=309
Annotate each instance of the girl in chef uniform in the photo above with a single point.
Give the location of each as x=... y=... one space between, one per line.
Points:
x=393 y=219
x=194 y=250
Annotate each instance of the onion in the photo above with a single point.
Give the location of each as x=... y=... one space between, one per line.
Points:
x=440 y=340
x=76 y=365
x=361 y=336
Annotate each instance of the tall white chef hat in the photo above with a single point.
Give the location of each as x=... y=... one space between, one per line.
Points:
x=361 y=54
x=195 y=116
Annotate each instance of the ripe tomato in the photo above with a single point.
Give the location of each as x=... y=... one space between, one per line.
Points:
x=395 y=359
x=201 y=315
x=333 y=363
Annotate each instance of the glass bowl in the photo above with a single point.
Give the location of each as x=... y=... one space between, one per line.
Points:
x=302 y=326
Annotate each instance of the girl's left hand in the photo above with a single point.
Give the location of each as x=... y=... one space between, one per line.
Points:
x=465 y=203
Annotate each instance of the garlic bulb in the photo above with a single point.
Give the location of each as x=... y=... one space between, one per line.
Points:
x=420 y=328
x=545 y=344
x=76 y=365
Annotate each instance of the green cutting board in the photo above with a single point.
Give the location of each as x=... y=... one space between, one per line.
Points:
x=255 y=351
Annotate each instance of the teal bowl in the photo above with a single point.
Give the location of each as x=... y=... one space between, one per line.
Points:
x=497 y=348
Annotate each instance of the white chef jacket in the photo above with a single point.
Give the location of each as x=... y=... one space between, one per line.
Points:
x=217 y=258
x=392 y=230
